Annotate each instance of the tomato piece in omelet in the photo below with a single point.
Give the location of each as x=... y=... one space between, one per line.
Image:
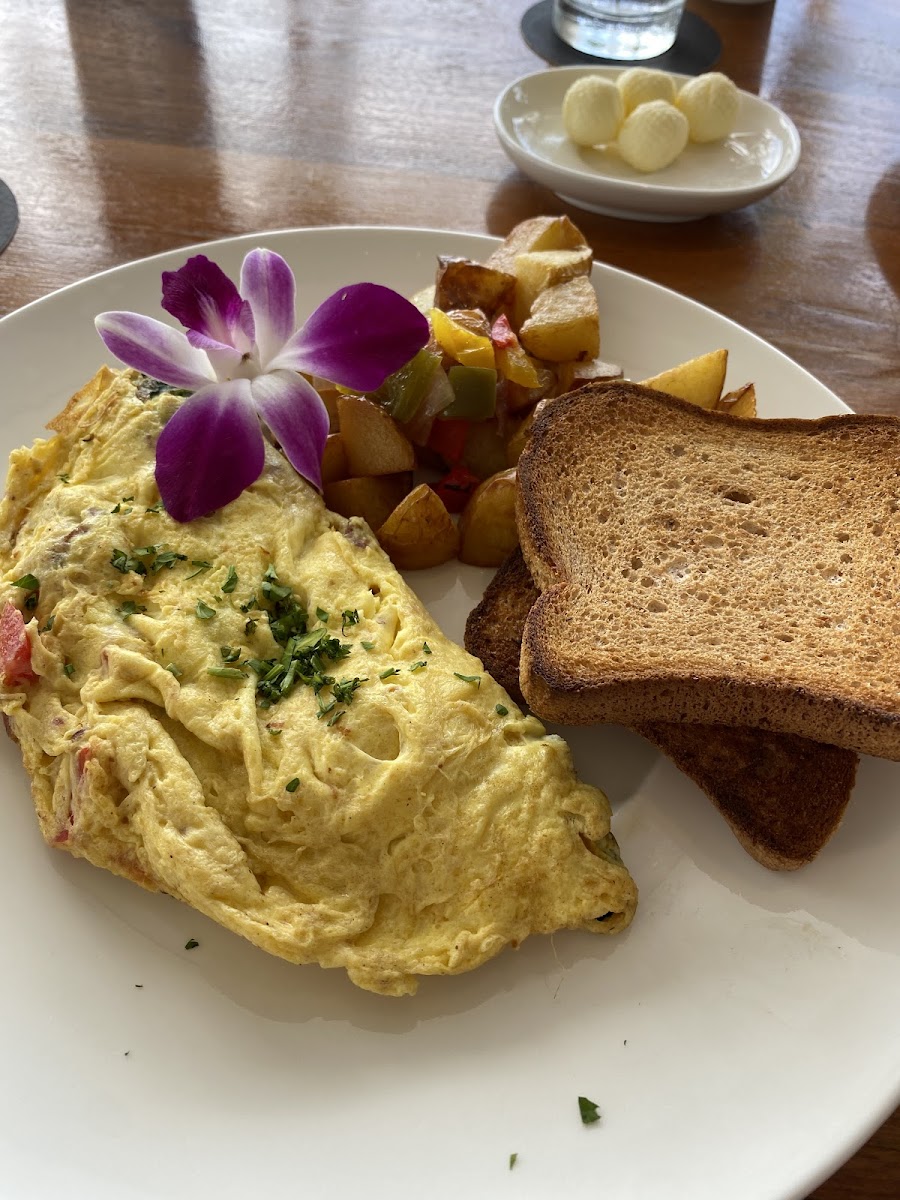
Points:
x=254 y=713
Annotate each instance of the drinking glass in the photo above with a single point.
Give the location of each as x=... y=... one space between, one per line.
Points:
x=618 y=29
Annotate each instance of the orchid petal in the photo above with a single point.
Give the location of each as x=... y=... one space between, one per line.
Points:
x=357 y=337
x=156 y=349
x=202 y=297
x=293 y=410
x=210 y=450
x=267 y=283
x=225 y=360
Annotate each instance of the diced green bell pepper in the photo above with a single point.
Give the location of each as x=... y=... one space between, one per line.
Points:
x=403 y=392
x=474 y=393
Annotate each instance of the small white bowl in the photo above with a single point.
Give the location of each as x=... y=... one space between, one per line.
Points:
x=751 y=162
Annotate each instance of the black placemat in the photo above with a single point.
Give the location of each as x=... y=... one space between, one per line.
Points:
x=9 y=216
x=696 y=47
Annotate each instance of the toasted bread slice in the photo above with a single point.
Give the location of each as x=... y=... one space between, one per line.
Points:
x=783 y=796
x=698 y=567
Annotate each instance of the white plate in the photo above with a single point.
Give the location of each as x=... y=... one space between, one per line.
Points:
x=741 y=1038
x=756 y=158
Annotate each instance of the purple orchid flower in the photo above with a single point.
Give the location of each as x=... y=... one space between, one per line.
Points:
x=241 y=358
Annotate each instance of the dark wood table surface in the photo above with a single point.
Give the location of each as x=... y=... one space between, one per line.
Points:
x=132 y=127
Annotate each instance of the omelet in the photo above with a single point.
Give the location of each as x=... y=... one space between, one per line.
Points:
x=255 y=714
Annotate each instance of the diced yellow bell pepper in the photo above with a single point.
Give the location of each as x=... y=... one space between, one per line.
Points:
x=515 y=365
x=468 y=348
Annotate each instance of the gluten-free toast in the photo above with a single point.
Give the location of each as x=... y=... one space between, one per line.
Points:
x=783 y=796
x=702 y=568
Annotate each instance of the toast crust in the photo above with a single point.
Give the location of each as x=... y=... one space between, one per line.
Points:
x=696 y=567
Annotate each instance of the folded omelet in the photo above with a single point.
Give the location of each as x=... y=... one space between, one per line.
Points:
x=255 y=714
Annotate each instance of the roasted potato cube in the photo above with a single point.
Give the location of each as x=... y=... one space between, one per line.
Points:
x=541 y=269
x=372 y=497
x=575 y=374
x=373 y=442
x=334 y=459
x=462 y=283
x=698 y=381
x=487 y=527
x=564 y=323
x=740 y=403
x=537 y=233
x=419 y=532
x=330 y=400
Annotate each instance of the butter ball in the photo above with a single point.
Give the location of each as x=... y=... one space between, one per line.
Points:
x=710 y=102
x=592 y=111
x=653 y=136
x=639 y=85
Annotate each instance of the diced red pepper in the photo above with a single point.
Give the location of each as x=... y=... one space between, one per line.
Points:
x=456 y=487
x=502 y=333
x=448 y=439
x=15 y=648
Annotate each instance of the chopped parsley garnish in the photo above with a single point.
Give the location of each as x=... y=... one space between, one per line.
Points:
x=305 y=653
x=49 y=623
x=343 y=691
x=120 y=509
x=426 y=649
x=337 y=716
x=124 y=563
x=201 y=566
x=155 y=508
x=69 y=669
x=325 y=709
x=167 y=559
x=231 y=581
x=230 y=654
x=367 y=645
x=322 y=615
x=589 y=1111
x=292 y=785
x=388 y=673
x=157 y=559
x=501 y=710
x=512 y=1160
x=175 y=670
x=64 y=478
x=128 y=608
x=203 y=611
x=191 y=944
x=226 y=672
x=248 y=604
x=418 y=666
x=272 y=590
x=28 y=583
x=274 y=732
x=250 y=627
x=350 y=616
x=476 y=679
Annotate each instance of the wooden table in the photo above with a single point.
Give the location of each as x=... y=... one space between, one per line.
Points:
x=133 y=127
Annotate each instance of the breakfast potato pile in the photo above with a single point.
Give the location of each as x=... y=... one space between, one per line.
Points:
x=429 y=459
x=505 y=334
